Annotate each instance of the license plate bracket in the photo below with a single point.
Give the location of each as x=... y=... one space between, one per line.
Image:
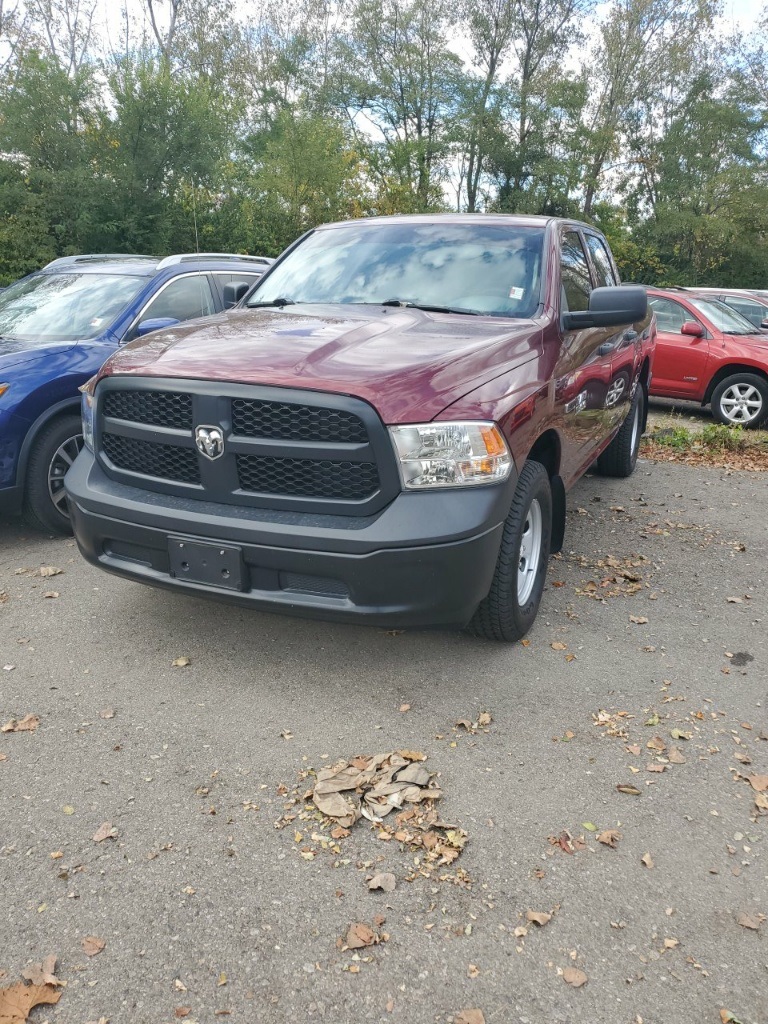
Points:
x=218 y=565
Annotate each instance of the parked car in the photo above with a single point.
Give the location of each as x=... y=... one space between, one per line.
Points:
x=58 y=325
x=707 y=352
x=751 y=305
x=383 y=433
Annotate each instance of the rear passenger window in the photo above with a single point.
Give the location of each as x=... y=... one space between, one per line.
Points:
x=574 y=270
x=601 y=261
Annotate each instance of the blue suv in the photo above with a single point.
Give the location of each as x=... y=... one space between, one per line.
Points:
x=58 y=325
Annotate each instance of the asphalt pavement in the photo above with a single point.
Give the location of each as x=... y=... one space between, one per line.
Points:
x=647 y=669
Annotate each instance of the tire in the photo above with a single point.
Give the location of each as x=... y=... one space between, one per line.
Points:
x=741 y=400
x=510 y=607
x=620 y=457
x=53 y=452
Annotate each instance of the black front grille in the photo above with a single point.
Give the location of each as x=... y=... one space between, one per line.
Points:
x=160 y=408
x=165 y=461
x=296 y=422
x=285 y=449
x=311 y=478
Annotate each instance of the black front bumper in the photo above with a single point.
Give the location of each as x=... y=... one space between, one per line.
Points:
x=426 y=559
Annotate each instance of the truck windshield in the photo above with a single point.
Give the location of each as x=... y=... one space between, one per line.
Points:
x=64 y=307
x=492 y=269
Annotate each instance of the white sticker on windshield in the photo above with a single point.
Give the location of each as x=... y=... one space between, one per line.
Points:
x=516 y=293
x=97 y=321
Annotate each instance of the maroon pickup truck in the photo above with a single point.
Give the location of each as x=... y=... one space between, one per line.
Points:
x=383 y=431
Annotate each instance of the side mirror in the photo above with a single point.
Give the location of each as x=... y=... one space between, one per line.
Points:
x=693 y=329
x=158 y=323
x=610 y=307
x=764 y=325
x=233 y=291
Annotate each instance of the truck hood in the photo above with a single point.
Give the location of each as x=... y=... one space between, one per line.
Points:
x=407 y=363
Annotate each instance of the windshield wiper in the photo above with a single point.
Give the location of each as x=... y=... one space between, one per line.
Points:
x=279 y=302
x=429 y=307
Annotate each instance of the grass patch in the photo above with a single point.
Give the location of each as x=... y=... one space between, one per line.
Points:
x=715 y=445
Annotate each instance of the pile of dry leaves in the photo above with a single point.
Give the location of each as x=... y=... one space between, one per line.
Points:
x=374 y=785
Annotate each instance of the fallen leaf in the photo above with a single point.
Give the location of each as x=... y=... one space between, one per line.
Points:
x=405 y=707
x=671 y=943
x=735 y=600
x=758 y=782
x=182 y=1011
x=92 y=945
x=359 y=935
x=675 y=757
x=573 y=976
x=412 y=755
x=656 y=768
x=3 y=757
x=384 y=881
x=104 y=831
x=50 y=570
x=633 y=748
x=286 y=734
x=17 y=1000
x=609 y=837
x=484 y=718
x=589 y=826
x=42 y=974
x=222 y=979
x=728 y=1018
x=558 y=646
x=473 y=971
x=630 y=790
x=657 y=743
x=182 y=662
x=339 y=832
x=570 y=657
x=752 y=921
x=470 y=1017
x=51 y=594
x=538 y=917
x=679 y=734
x=107 y=713
x=179 y=985
x=639 y=620
x=26 y=724
x=647 y=859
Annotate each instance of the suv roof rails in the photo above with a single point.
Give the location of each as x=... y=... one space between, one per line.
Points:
x=191 y=257
x=96 y=257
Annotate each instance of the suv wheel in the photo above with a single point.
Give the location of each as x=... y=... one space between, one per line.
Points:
x=741 y=400
x=510 y=608
x=55 y=449
x=620 y=457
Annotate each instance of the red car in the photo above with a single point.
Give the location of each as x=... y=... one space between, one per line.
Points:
x=709 y=353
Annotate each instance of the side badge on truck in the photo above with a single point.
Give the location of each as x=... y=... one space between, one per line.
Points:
x=210 y=441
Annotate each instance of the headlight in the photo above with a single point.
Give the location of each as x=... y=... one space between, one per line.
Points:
x=3 y=389
x=450 y=454
x=87 y=413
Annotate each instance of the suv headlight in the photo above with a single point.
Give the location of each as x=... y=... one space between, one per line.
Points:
x=86 y=407
x=450 y=454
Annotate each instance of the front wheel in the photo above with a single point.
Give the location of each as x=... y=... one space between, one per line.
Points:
x=741 y=400
x=620 y=457
x=510 y=607
x=54 y=450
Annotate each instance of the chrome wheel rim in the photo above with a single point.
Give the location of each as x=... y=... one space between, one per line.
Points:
x=62 y=459
x=741 y=403
x=636 y=428
x=530 y=553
